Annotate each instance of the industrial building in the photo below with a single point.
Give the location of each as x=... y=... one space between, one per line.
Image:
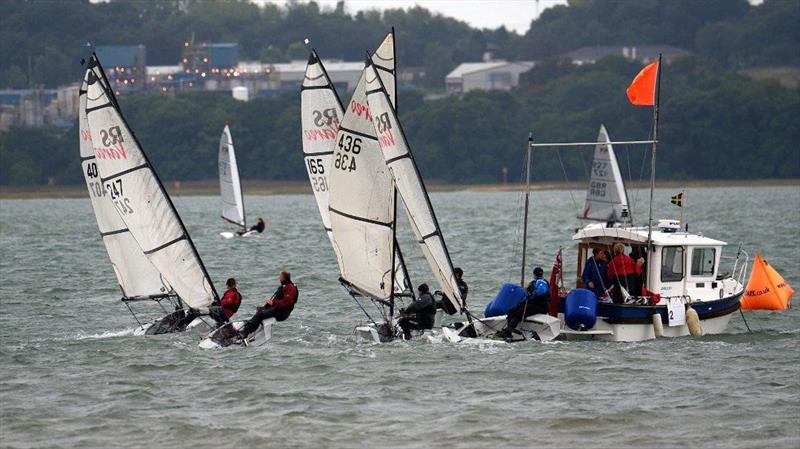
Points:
x=488 y=75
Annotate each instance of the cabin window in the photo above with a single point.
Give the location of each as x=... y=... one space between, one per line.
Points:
x=703 y=261
x=672 y=264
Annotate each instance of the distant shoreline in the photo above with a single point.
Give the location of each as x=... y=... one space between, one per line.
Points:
x=259 y=188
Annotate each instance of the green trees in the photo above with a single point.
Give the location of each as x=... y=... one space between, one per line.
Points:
x=715 y=125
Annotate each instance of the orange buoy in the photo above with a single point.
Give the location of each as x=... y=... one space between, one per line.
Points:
x=766 y=289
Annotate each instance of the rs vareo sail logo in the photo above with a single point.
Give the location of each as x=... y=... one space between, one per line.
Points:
x=113 y=144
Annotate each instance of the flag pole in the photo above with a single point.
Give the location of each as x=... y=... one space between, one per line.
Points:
x=653 y=172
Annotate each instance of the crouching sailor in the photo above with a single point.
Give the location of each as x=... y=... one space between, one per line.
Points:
x=420 y=314
x=279 y=306
x=536 y=302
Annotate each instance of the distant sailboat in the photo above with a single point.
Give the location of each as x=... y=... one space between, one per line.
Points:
x=230 y=187
x=606 y=198
x=142 y=203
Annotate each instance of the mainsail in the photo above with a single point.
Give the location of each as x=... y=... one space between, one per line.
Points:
x=137 y=277
x=404 y=170
x=140 y=198
x=230 y=187
x=606 y=199
x=362 y=199
x=321 y=112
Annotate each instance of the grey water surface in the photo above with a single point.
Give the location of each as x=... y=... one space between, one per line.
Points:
x=72 y=375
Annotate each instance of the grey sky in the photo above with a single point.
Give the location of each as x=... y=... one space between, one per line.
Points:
x=516 y=15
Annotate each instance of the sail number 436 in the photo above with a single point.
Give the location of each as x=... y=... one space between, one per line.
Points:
x=347 y=144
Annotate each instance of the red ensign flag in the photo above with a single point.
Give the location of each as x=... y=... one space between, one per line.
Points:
x=642 y=91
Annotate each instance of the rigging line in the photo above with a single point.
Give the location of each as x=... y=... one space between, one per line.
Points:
x=134 y=315
x=566 y=178
x=514 y=254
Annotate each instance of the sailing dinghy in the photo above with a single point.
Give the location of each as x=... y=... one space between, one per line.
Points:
x=230 y=188
x=144 y=206
x=362 y=208
x=606 y=197
x=137 y=277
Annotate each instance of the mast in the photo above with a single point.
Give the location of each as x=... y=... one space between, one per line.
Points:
x=527 y=202
x=653 y=172
x=394 y=195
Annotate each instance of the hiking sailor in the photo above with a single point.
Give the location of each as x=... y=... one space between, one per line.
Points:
x=420 y=314
x=279 y=306
x=258 y=227
x=232 y=299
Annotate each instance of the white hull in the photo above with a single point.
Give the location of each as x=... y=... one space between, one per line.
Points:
x=603 y=331
x=535 y=327
x=258 y=338
x=369 y=332
x=142 y=330
x=230 y=235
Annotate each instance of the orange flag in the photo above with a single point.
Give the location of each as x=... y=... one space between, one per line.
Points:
x=642 y=91
x=766 y=289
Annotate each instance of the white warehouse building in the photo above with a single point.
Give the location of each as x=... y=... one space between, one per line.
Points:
x=490 y=75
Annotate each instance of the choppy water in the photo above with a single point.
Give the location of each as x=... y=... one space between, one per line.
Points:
x=72 y=375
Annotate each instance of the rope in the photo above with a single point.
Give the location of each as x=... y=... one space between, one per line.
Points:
x=566 y=178
x=134 y=315
x=745 y=321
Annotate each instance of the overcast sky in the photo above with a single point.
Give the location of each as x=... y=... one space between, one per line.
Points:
x=516 y=15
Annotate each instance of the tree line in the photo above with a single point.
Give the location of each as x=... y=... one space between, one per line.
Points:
x=715 y=124
x=47 y=38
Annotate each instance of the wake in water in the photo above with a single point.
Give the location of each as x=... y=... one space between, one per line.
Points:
x=107 y=334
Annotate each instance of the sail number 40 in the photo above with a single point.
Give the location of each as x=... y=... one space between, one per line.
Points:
x=347 y=144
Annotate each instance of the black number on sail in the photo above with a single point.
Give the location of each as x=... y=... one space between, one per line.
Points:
x=114 y=188
x=91 y=170
x=350 y=144
x=345 y=162
x=315 y=166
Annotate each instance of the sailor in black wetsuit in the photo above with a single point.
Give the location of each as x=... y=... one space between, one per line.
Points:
x=420 y=314
x=258 y=227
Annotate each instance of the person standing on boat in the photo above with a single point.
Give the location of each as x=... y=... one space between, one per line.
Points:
x=278 y=306
x=595 y=273
x=463 y=288
x=232 y=299
x=258 y=227
x=624 y=273
x=537 y=301
x=420 y=314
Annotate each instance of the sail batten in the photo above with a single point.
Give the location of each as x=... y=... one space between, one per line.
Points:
x=140 y=200
x=405 y=173
x=606 y=198
x=137 y=277
x=230 y=185
x=362 y=199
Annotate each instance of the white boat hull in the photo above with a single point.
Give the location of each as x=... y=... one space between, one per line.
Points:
x=142 y=330
x=230 y=235
x=603 y=331
x=258 y=337
x=535 y=327
x=369 y=332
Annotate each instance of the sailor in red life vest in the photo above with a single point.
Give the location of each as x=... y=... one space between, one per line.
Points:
x=625 y=273
x=232 y=299
x=279 y=306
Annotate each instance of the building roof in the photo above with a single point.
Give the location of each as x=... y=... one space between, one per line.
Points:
x=600 y=232
x=163 y=69
x=474 y=67
x=121 y=55
x=642 y=52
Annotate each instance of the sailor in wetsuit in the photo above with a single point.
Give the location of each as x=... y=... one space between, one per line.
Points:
x=420 y=314
x=279 y=306
x=258 y=227
x=537 y=301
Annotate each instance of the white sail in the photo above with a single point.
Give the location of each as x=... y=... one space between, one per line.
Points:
x=230 y=187
x=362 y=195
x=137 y=277
x=404 y=170
x=321 y=112
x=606 y=198
x=139 y=197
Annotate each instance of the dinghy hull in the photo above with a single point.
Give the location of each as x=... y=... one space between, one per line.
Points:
x=222 y=337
